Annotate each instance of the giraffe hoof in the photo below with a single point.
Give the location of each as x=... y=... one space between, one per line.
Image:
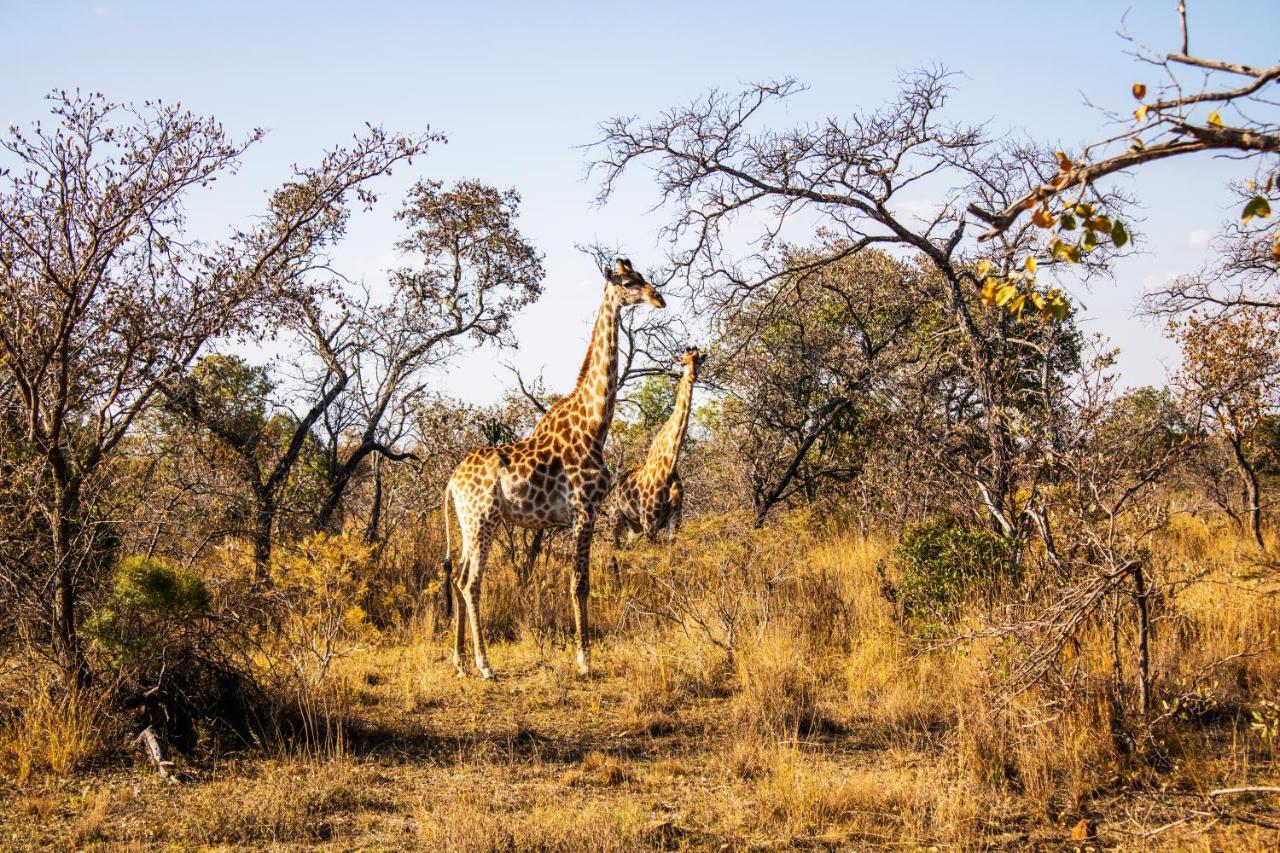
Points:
x=487 y=674
x=584 y=665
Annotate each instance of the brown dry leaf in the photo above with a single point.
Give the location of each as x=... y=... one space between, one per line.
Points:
x=1042 y=218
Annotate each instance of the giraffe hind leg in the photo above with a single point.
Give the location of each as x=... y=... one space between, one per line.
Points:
x=460 y=611
x=470 y=593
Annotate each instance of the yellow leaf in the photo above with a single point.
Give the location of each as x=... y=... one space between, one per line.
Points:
x=1141 y=113
x=1139 y=91
x=1031 y=264
x=989 y=292
x=1214 y=119
x=984 y=267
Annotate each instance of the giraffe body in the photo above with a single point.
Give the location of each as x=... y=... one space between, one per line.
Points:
x=555 y=478
x=650 y=496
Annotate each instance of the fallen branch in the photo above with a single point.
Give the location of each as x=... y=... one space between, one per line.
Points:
x=155 y=751
x=1247 y=789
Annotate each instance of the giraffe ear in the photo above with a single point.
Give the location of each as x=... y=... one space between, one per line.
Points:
x=608 y=275
x=623 y=265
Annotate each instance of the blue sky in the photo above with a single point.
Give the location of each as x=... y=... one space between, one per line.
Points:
x=519 y=86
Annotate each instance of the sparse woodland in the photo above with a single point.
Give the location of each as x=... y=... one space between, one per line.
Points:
x=941 y=580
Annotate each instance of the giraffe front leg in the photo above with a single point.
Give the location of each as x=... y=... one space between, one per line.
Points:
x=580 y=590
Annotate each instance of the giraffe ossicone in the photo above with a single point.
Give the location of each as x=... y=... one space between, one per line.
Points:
x=555 y=478
x=650 y=496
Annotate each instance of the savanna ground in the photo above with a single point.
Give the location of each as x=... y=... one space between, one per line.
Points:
x=753 y=690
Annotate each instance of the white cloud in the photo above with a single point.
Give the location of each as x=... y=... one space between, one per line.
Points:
x=102 y=11
x=1198 y=239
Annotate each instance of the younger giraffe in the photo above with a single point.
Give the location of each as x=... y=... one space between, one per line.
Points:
x=650 y=496
x=554 y=478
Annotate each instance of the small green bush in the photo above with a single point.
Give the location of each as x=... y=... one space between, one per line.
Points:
x=944 y=563
x=148 y=601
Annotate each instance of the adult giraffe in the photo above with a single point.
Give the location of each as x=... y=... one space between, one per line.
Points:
x=554 y=478
x=650 y=495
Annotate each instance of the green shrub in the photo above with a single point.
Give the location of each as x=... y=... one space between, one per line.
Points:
x=944 y=563
x=172 y=663
x=150 y=602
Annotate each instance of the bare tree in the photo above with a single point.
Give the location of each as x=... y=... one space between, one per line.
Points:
x=1110 y=455
x=714 y=162
x=105 y=299
x=305 y=217
x=1230 y=378
x=476 y=271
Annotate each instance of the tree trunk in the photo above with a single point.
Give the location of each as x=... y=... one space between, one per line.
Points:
x=66 y=640
x=328 y=517
x=264 y=519
x=1144 y=640
x=1252 y=490
x=371 y=534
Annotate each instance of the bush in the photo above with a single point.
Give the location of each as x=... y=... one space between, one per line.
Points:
x=321 y=586
x=945 y=563
x=173 y=665
x=149 y=603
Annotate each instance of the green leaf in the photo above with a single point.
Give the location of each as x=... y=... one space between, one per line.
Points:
x=1257 y=206
x=1067 y=222
x=1119 y=236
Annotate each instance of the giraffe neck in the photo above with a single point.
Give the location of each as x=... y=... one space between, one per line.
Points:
x=587 y=411
x=661 y=459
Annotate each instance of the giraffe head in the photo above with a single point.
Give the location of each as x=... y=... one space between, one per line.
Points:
x=630 y=287
x=692 y=360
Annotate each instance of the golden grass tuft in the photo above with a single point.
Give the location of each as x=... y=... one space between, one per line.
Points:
x=51 y=734
x=91 y=825
x=811 y=798
x=779 y=691
x=596 y=769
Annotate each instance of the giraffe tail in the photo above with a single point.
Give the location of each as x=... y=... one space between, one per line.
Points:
x=446 y=587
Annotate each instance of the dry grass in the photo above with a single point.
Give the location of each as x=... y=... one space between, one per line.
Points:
x=286 y=802
x=796 y=711
x=47 y=733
